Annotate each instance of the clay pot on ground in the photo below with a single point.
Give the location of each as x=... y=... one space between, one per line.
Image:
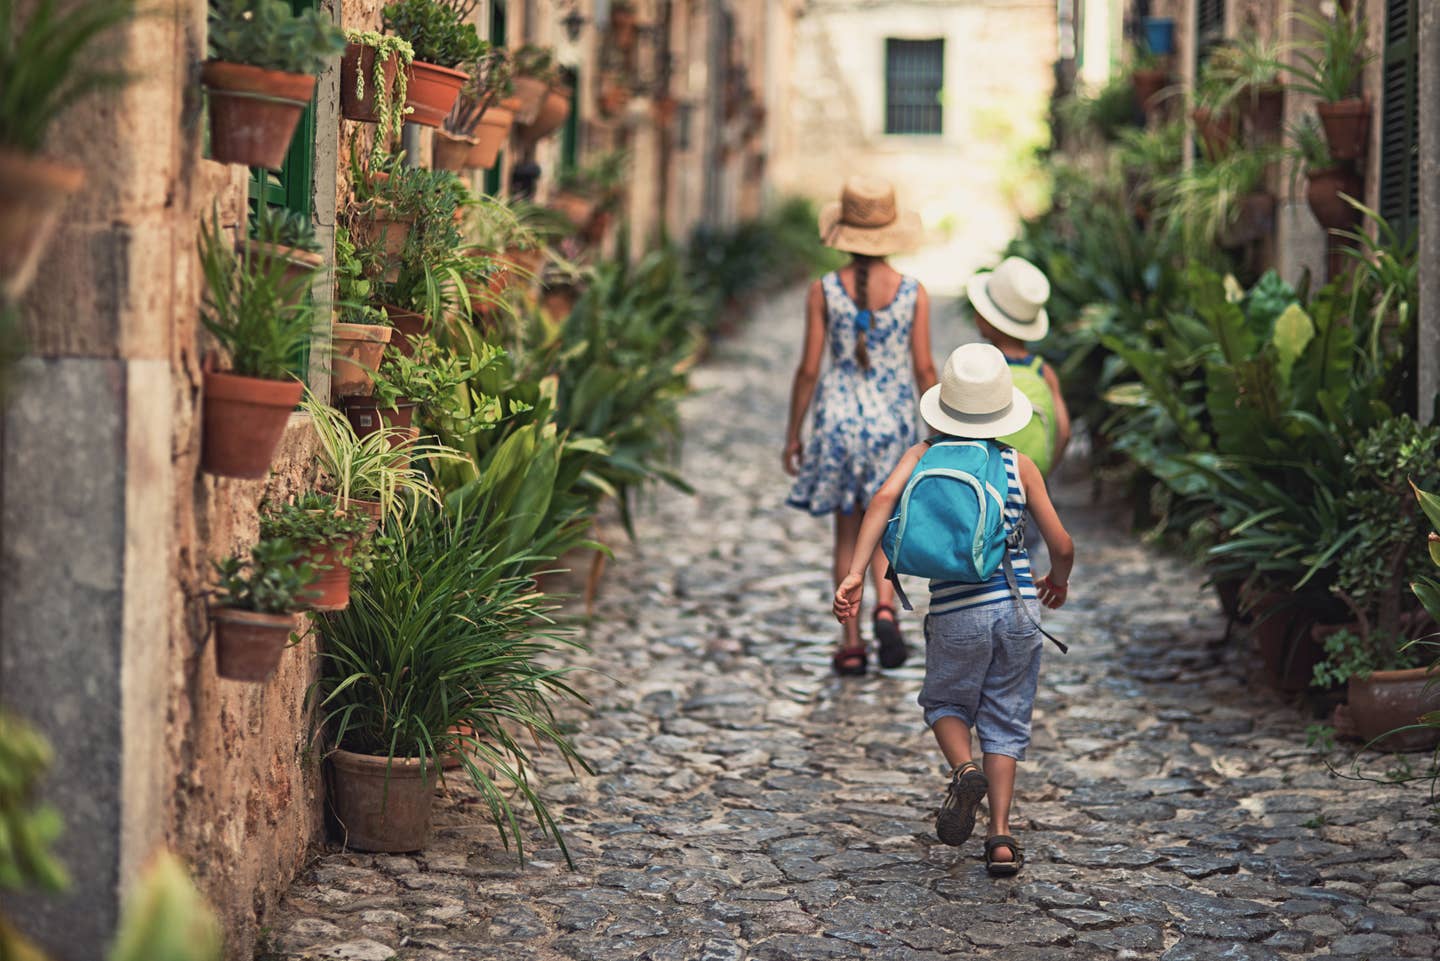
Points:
x=1148 y=83
x=1347 y=127
x=576 y=208
x=1283 y=636
x=1215 y=130
x=432 y=92
x=33 y=192
x=356 y=350
x=242 y=421
x=407 y=324
x=552 y=113
x=253 y=112
x=1323 y=195
x=299 y=265
x=354 y=107
x=530 y=95
x=1254 y=220
x=490 y=136
x=452 y=152
x=1227 y=591
x=1389 y=700
x=382 y=804
x=248 y=644
x=1264 y=109
x=330 y=590
x=367 y=415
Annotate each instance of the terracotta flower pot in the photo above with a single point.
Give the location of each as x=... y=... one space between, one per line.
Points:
x=407 y=324
x=365 y=109
x=253 y=112
x=1148 y=83
x=433 y=91
x=367 y=415
x=1388 y=700
x=577 y=209
x=490 y=137
x=33 y=192
x=1282 y=634
x=558 y=302
x=1347 y=127
x=372 y=511
x=553 y=111
x=248 y=644
x=356 y=350
x=1323 y=195
x=530 y=93
x=392 y=232
x=242 y=421
x=331 y=587
x=1264 y=109
x=382 y=804
x=1215 y=130
x=299 y=265
x=529 y=261
x=451 y=152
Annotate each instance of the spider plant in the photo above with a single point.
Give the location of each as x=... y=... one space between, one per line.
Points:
x=1245 y=64
x=1199 y=205
x=1331 y=65
x=444 y=637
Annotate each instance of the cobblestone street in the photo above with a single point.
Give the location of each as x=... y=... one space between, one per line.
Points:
x=749 y=805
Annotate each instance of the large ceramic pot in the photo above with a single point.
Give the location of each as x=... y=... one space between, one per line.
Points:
x=242 y=420
x=253 y=112
x=382 y=804
x=1347 y=127
x=1388 y=700
x=248 y=644
x=356 y=350
x=33 y=192
x=433 y=91
x=359 y=60
x=1323 y=192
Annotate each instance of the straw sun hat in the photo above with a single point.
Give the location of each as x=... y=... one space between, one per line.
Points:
x=867 y=221
x=1012 y=298
x=976 y=396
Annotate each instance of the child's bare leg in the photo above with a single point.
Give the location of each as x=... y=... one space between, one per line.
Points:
x=847 y=530
x=884 y=590
x=1000 y=771
x=953 y=736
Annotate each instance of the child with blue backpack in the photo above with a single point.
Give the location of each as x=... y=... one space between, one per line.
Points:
x=954 y=511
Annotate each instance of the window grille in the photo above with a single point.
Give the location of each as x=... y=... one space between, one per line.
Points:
x=914 y=79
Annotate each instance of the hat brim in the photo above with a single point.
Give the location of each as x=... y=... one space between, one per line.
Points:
x=903 y=233
x=978 y=290
x=978 y=426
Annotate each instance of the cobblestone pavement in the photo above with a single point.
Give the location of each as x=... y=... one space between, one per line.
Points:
x=748 y=805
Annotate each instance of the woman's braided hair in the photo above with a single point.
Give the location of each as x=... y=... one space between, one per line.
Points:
x=862 y=301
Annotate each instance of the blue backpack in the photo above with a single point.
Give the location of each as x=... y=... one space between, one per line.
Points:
x=950 y=525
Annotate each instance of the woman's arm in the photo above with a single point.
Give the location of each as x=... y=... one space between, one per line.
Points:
x=877 y=515
x=805 y=375
x=1062 y=414
x=1054 y=586
x=923 y=362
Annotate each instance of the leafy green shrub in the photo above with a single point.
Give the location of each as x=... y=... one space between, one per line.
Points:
x=269 y=35
x=437 y=32
x=274 y=579
x=316 y=520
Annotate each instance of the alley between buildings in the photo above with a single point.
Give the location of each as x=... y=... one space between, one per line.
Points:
x=747 y=804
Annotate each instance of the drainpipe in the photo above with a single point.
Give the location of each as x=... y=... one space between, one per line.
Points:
x=1428 y=335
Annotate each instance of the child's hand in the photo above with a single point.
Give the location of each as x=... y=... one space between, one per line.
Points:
x=1052 y=595
x=792 y=456
x=847 y=597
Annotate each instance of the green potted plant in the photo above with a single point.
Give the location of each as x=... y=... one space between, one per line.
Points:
x=262 y=326
x=1331 y=67
x=261 y=75
x=255 y=598
x=1150 y=74
x=418 y=383
x=360 y=331
x=1327 y=181
x=1412 y=699
x=1219 y=204
x=442 y=40
x=332 y=540
x=48 y=63
x=289 y=237
x=375 y=81
x=439 y=653
x=1246 y=74
x=535 y=74
x=482 y=117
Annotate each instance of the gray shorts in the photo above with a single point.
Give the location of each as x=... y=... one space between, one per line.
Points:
x=982 y=665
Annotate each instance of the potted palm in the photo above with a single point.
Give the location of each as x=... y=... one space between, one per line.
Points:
x=442 y=41
x=439 y=653
x=48 y=64
x=331 y=538
x=262 y=324
x=253 y=610
x=261 y=75
x=1330 y=67
x=375 y=81
x=1328 y=183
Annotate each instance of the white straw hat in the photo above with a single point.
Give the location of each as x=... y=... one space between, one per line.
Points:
x=976 y=396
x=867 y=221
x=1012 y=298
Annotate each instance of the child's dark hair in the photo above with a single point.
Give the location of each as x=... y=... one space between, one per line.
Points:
x=862 y=264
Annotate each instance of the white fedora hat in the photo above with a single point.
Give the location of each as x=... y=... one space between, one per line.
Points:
x=976 y=396
x=866 y=220
x=1012 y=298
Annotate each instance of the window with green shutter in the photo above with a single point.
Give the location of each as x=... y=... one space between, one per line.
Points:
x=1400 y=116
x=570 y=133
x=499 y=36
x=1209 y=28
x=291 y=188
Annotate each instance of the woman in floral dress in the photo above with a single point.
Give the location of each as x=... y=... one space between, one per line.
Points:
x=874 y=323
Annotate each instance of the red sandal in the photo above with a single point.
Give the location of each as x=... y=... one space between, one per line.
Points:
x=850 y=661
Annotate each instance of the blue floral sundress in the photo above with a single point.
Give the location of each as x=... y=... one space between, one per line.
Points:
x=863 y=420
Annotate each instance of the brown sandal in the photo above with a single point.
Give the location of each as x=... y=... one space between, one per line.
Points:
x=1003 y=869
x=850 y=661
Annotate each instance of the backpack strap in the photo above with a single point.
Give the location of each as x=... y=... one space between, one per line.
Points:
x=1014 y=586
x=894 y=580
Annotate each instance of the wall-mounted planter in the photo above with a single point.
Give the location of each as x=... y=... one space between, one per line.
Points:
x=490 y=135
x=368 y=415
x=1254 y=220
x=299 y=265
x=1347 y=127
x=1160 y=35
x=623 y=23
x=433 y=91
x=1148 y=84
x=248 y=644
x=1264 y=109
x=1216 y=131
x=33 y=192
x=451 y=152
x=382 y=804
x=331 y=588
x=576 y=208
x=242 y=421
x=553 y=111
x=253 y=112
x=407 y=324
x=530 y=94
x=614 y=97
x=392 y=232
x=361 y=58
x=356 y=350
x=1323 y=192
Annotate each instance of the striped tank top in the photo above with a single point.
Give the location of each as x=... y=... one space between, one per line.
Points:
x=954 y=596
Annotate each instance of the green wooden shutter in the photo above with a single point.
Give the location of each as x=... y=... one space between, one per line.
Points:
x=499 y=35
x=291 y=188
x=570 y=133
x=1400 y=116
x=1209 y=28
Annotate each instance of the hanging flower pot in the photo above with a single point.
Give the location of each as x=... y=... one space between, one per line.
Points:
x=356 y=350
x=253 y=112
x=491 y=135
x=665 y=107
x=33 y=192
x=1148 y=83
x=242 y=420
x=433 y=91
x=407 y=324
x=1388 y=700
x=1264 y=109
x=367 y=415
x=382 y=804
x=360 y=98
x=452 y=152
x=614 y=97
x=1323 y=195
x=1160 y=35
x=392 y=231
x=596 y=226
x=1347 y=127
x=552 y=113
x=1215 y=130
x=299 y=264
x=248 y=644
x=530 y=93
x=558 y=301
x=622 y=26
x=331 y=589
x=1254 y=220
x=576 y=208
